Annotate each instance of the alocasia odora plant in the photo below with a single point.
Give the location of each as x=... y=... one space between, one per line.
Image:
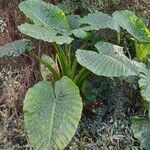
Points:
x=53 y=111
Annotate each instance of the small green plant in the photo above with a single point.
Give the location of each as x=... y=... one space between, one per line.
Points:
x=53 y=111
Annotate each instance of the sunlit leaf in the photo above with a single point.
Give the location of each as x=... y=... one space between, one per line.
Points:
x=133 y=24
x=45 y=14
x=142 y=50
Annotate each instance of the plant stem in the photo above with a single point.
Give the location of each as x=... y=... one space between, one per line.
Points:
x=81 y=76
x=136 y=47
x=82 y=79
x=40 y=48
x=62 y=59
x=81 y=72
x=75 y=63
x=68 y=54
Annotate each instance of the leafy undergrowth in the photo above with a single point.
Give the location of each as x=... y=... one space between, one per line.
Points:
x=103 y=128
x=106 y=127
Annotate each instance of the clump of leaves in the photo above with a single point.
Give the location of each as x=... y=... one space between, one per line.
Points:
x=110 y=61
x=52 y=111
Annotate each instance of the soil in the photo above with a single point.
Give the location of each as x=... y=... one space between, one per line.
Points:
x=103 y=128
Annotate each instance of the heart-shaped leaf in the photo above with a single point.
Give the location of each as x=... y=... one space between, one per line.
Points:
x=80 y=33
x=52 y=115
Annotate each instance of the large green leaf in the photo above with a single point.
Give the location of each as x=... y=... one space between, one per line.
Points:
x=44 y=33
x=42 y=13
x=108 y=61
x=99 y=20
x=141 y=130
x=134 y=25
x=144 y=82
x=51 y=115
x=15 y=48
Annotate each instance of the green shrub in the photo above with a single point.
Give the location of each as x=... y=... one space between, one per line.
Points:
x=53 y=111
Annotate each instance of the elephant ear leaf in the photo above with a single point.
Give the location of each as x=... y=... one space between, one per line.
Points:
x=15 y=48
x=133 y=24
x=141 y=130
x=99 y=20
x=44 y=33
x=144 y=82
x=45 y=14
x=52 y=114
x=108 y=61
